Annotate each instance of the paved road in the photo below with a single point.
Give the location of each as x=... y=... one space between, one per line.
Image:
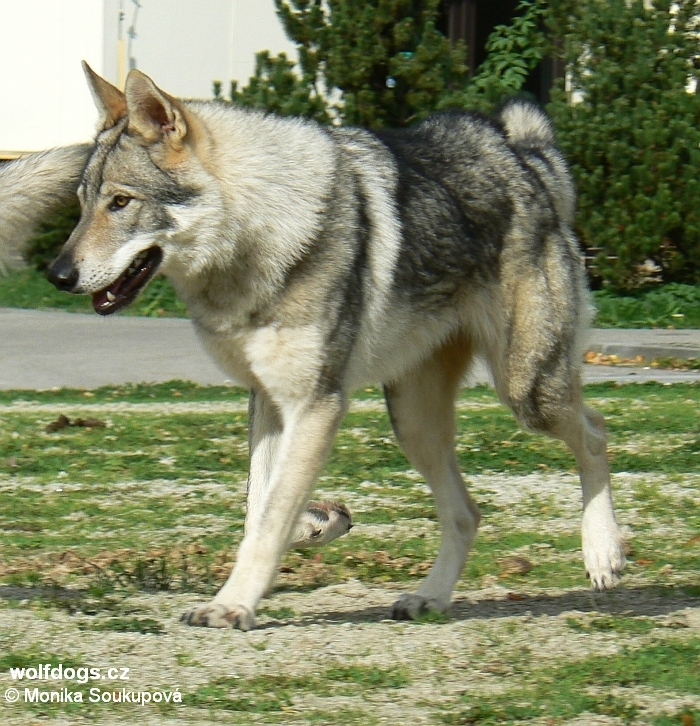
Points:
x=52 y=349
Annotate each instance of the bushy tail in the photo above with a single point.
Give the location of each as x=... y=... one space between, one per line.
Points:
x=530 y=131
x=526 y=124
x=32 y=187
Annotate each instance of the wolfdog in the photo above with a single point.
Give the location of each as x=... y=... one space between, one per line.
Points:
x=315 y=260
x=31 y=187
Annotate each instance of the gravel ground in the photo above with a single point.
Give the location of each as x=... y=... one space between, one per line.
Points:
x=495 y=635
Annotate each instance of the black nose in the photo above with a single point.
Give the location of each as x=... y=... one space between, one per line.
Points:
x=63 y=275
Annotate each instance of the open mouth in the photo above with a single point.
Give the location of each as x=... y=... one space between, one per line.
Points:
x=124 y=290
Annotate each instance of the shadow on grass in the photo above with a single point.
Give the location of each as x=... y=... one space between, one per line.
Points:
x=16 y=592
x=635 y=602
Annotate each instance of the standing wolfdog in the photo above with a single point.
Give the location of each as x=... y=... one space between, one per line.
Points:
x=316 y=260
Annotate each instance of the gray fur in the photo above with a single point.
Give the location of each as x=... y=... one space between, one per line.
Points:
x=30 y=188
x=314 y=261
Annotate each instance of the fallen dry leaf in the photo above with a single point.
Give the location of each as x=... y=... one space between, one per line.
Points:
x=60 y=423
x=63 y=422
x=514 y=566
x=91 y=423
x=601 y=359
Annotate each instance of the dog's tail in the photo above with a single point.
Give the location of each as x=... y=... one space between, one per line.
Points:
x=32 y=187
x=529 y=130
x=526 y=124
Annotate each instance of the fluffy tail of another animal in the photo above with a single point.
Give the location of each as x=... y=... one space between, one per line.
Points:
x=32 y=187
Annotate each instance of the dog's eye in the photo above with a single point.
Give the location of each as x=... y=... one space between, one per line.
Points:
x=119 y=202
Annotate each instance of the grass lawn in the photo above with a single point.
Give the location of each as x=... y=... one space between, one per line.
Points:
x=30 y=289
x=110 y=532
x=674 y=305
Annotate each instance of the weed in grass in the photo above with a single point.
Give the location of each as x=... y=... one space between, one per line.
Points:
x=125 y=625
x=260 y=646
x=270 y=693
x=150 y=575
x=32 y=657
x=432 y=617
x=681 y=364
x=185 y=659
x=279 y=613
x=609 y=623
x=595 y=686
x=195 y=569
x=29 y=578
x=686 y=717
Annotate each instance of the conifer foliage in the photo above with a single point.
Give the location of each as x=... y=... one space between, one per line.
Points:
x=380 y=63
x=631 y=131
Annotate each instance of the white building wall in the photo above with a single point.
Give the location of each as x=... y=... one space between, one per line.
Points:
x=183 y=44
x=44 y=100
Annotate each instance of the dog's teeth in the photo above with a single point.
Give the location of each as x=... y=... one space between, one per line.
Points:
x=110 y=296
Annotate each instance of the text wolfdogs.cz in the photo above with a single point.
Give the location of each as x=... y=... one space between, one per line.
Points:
x=83 y=674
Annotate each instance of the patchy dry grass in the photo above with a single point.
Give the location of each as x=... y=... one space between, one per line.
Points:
x=109 y=533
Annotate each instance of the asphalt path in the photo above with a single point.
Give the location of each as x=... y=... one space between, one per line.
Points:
x=43 y=350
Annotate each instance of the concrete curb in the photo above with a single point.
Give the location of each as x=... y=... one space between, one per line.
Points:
x=650 y=344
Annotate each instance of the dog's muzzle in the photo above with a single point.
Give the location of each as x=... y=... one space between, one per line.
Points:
x=63 y=274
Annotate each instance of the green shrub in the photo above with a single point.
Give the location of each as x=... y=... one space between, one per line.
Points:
x=384 y=63
x=51 y=235
x=673 y=305
x=278 y=88
x=633 y=140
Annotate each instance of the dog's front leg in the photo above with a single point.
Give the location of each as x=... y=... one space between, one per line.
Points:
x=321 y=522
x=301 y=449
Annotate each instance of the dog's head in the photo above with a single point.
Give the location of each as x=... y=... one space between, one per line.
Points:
x=140 y=193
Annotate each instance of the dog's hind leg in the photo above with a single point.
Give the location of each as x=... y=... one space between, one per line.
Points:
x=421 y=406
x=602 y=542
x=321 y=522
x=553 y=404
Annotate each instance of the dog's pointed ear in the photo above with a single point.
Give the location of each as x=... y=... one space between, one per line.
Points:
x=153 y=114
x=110 y=101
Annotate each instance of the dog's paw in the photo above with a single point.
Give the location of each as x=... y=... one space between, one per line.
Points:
x=321 y=523
x=604 y=564
x=411 y=605
x=216 y=615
